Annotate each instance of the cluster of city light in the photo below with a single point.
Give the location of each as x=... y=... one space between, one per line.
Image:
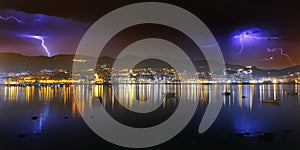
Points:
x=42 y=81
x=66 y=81
x=79 y=60
x=98 y=80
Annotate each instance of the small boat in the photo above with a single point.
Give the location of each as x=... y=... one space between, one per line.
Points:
x=270 y=101
x=226 y=93
x=292 y=93
x=169 y=95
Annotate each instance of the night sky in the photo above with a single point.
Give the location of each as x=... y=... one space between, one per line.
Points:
x=261 y=33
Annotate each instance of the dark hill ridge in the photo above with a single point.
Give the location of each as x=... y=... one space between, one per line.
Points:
x=12 y=62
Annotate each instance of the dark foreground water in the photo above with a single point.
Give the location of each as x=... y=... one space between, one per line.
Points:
x=243 y=123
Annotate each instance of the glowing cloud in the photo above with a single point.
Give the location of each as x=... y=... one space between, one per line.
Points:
x=253 y=35
x=246 y=35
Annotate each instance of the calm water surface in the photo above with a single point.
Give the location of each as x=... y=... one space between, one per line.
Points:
x=243 y=123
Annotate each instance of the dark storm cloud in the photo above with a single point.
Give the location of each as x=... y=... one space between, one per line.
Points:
x=223 y=17
x=61 y=35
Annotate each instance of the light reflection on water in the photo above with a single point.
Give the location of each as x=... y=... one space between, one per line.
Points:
x=242 y=110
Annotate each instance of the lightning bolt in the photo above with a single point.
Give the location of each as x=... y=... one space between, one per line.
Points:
x=242 y=44
x=11 y=18
x=246 y=35
x=41 y=38
x=282 y=54
x=267 y=59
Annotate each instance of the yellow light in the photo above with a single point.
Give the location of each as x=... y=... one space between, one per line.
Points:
x=274 y=81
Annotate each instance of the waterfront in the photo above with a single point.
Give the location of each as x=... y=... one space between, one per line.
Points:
x=242 y=122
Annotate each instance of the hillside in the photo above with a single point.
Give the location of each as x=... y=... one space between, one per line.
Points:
x=12 y=62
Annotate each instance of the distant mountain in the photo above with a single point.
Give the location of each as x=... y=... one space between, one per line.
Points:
x=12 y=62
